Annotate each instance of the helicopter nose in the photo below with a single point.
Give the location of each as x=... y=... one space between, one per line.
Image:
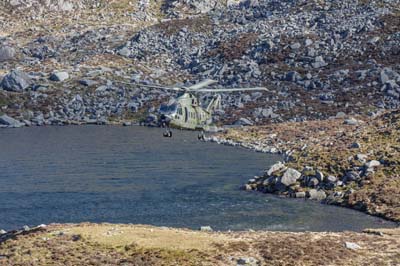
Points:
x=165 y=118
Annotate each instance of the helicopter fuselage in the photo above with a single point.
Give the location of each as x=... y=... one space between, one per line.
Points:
x=185 y=113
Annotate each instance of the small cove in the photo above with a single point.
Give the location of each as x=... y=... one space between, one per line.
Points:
x=134 y=175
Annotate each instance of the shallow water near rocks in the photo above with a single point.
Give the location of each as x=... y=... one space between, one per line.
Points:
x=134 y=175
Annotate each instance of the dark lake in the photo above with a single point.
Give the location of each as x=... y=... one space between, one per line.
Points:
x=134 y=175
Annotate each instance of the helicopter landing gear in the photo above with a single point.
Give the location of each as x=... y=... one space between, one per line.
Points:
x=168 y=133
x=165 y=124
x=201 y=136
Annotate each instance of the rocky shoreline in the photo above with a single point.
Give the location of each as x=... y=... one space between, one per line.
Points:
x=346 y=162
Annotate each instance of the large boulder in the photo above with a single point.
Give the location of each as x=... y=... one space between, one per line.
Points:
x=59 y=76
x=16 y=81
x=6 y=53
x=9 y=121
x=276 y=167
x=290 y=177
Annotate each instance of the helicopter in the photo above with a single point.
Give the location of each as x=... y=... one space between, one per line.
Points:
x=186 y=111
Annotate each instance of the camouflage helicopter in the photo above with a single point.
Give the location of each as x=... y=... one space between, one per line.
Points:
x=186 y=111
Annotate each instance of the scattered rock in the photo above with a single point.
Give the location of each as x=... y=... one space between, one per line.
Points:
x=295 y=46
x=247 y=261
x=351 y=121
x=206 y=229
x=314 y=194
x=76 y=238
x=6 y=53
x=361 y=157
x=16 y=81
x=290 y=177
x=331 y=179
x=87 y=82
x=244 y=122
x=10 y=122
x=351 y=245
x=276 y=167
x=372 y=164
x=313 y=182
x=300 y=194
x=319 y=175
x=59 y=76
x=355 y=145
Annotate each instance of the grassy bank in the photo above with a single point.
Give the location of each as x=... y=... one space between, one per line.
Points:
x=112 y=244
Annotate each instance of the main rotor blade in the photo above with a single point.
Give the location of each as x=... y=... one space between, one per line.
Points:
x=233 y=89
x=160 y=87
x=151 y=86
x=202 y=84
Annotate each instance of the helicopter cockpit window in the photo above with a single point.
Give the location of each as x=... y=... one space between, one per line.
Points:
x=168 y=108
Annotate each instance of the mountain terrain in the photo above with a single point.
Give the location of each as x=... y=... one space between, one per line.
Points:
x=63 y=62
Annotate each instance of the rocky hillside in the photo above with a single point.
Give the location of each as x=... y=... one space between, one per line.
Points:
x=61 y=61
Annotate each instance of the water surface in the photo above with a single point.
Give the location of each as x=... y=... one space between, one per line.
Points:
x=134 y=175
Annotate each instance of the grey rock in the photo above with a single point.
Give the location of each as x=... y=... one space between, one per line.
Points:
x=319 y=175
x=372 y=164
x=87 y=82
x=16 y=81
x=290 y=177
x=293 y=76
x=6 y=53
x=276 y=167
x=351 y=121
x=361 y=157
x=247 y=187
x=351 y=245
x=387 y=74
x=313 y=182
x=300 y=194
x=2 y=232
x=340 y=115
x=244 y=122
x=9 y=121
x=355 y=145
x=308 y=42
x=319 y=62
x=124 y=52
x=206 y=229
x=331 y=179
x=247 y=261
x=295 y=46
x=59 y=76
x=352 y=176
x=280 y=187
x=374 y=40
x=317 y=194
